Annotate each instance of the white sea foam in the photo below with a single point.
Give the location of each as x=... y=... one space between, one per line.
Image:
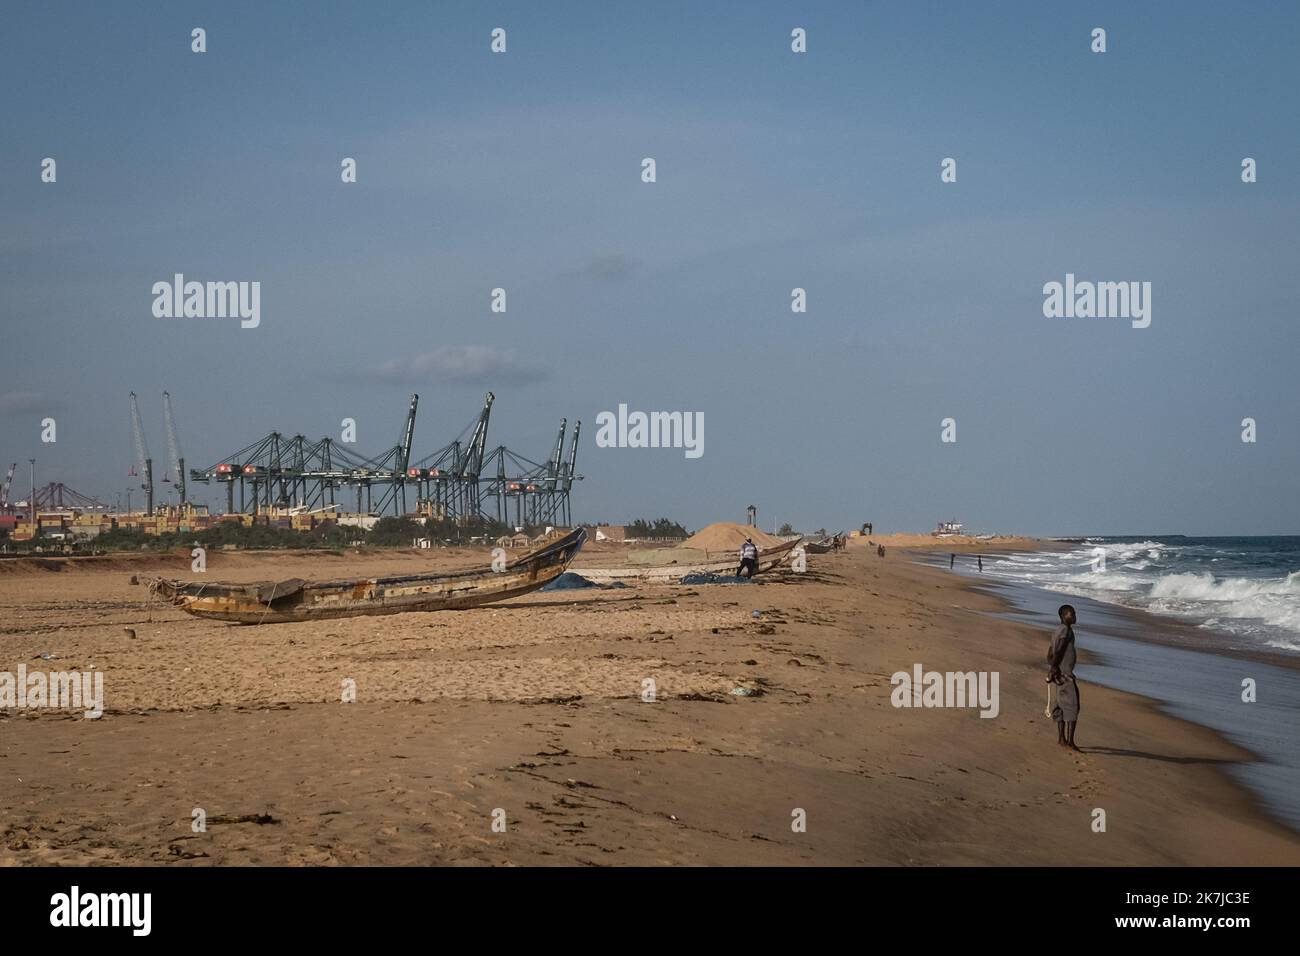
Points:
x=1144 y=574
x=1273 y=601
x=1206 y=587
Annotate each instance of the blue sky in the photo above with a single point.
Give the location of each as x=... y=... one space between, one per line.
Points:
x=775 y=170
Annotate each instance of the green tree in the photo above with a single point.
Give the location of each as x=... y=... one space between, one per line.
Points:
x=659 y=528
x=390 y=531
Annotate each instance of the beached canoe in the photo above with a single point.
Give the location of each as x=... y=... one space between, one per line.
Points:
x=279 y=602
x=826 y=544
x=673 y=573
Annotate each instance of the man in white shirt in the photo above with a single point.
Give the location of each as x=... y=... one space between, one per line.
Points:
x=748 y=559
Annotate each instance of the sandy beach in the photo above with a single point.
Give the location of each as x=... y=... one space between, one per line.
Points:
x=531 y=711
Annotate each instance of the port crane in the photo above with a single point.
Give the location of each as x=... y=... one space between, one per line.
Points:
x=174 y=446
x=462 y=481
x=4 y=491
x=142 y=455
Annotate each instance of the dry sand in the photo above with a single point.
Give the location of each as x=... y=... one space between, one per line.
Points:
x=729 y=536
x=534 y=708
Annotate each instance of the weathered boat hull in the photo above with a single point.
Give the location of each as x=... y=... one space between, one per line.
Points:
x=673 y=574
x=282 y=602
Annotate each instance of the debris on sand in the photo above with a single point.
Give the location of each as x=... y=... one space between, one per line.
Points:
x=568 y=581
x=572 y=581
x=706 y=577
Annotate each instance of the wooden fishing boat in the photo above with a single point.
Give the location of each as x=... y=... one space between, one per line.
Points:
x=279 y=602
x=673 y=573
x=825 y=545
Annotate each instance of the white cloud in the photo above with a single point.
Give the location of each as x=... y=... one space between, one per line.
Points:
x=461 y=365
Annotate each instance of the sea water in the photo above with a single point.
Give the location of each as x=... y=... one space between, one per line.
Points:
x=1243 y=592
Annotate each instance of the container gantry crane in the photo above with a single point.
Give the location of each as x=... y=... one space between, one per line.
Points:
x=174 y=446
x=142 y=456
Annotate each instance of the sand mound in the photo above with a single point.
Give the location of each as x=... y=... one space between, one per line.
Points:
x=42 y=564
x=728 y=536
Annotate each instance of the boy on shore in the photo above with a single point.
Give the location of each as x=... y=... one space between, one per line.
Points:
x=1061 y=658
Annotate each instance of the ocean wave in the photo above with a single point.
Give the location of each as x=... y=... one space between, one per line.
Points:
x=1272 y=601
x=1204 y=586
x=1262 y=604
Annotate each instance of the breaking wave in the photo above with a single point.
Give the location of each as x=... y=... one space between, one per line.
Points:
x=1249 y=587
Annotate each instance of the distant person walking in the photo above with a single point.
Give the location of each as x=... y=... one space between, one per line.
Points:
x=748 y=559
x=1061 y=658
x=880 y=550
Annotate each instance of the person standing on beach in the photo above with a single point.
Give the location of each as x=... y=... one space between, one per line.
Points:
x=748 y=559
x=1061 y=658
x=980 y=559
x=952 y=559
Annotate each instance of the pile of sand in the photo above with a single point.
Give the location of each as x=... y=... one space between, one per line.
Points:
x=728 y=536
